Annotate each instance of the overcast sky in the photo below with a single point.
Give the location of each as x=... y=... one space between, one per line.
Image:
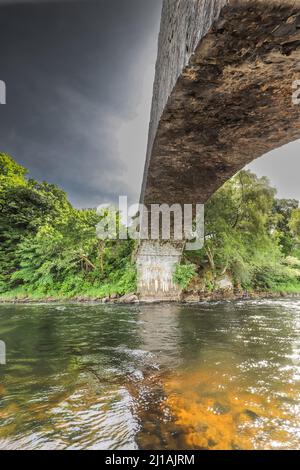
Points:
x=79 y=78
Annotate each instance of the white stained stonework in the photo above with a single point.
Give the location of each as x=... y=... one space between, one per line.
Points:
x=156 y=264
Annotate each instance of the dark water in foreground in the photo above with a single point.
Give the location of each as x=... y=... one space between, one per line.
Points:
x=217 y=376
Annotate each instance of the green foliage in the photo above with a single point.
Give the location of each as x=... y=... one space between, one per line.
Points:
x=11 y=170
x=184 y=274
x=49 y=248
x=248 y=235
x=294 y=225
x=283 y=211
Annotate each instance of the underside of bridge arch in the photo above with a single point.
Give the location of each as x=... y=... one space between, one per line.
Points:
x=222 y=98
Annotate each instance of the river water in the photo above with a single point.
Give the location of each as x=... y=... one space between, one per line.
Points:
x=209 y=376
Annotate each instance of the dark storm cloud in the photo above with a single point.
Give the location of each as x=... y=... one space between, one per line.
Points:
x=14 y=2
x=72 y=81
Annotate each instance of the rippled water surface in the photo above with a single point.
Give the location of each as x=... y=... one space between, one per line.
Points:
x=210 y=376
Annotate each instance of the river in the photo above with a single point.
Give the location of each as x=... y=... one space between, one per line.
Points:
x=210 y=376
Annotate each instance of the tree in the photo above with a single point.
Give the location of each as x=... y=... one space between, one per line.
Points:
x=49 y=247
x=283 y=209
x=247 y=232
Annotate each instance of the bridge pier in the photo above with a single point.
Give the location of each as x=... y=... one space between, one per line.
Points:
x=223 y=96
x=156 y=264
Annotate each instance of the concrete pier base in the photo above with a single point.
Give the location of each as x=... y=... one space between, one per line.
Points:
x=156 y=264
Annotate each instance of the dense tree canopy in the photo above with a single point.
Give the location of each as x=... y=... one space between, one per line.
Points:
x=251 y=236
x=49 y=248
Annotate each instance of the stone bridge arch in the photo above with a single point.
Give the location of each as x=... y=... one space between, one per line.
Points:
x=222 y=98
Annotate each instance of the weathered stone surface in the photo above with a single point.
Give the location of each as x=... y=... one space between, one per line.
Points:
x=114 y=296
x=129 y=299
x=230 y=104
x=183 y=24
x=222 y=97
x=156 y=263
x=191 y=297
x=224 y=283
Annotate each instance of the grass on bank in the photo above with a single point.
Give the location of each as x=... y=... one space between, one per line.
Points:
x=125 y=285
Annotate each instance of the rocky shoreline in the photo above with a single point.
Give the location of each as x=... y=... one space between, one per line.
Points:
x=232 y=296
x=186 y=298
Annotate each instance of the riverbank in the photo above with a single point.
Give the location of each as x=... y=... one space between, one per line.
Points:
x=132 y=298
x=50 y=251
x=31 y=299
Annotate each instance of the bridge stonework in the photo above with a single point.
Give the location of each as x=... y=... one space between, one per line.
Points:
x=222 y=97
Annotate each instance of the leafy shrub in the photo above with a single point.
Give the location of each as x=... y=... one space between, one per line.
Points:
x=184 y=274
x=269 y=277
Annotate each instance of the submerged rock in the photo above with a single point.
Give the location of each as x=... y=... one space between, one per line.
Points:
x=129 y=299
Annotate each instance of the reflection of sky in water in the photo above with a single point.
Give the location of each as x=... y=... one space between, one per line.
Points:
x=222 y=375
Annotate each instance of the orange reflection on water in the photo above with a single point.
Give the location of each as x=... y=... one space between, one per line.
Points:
x=215 y=413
